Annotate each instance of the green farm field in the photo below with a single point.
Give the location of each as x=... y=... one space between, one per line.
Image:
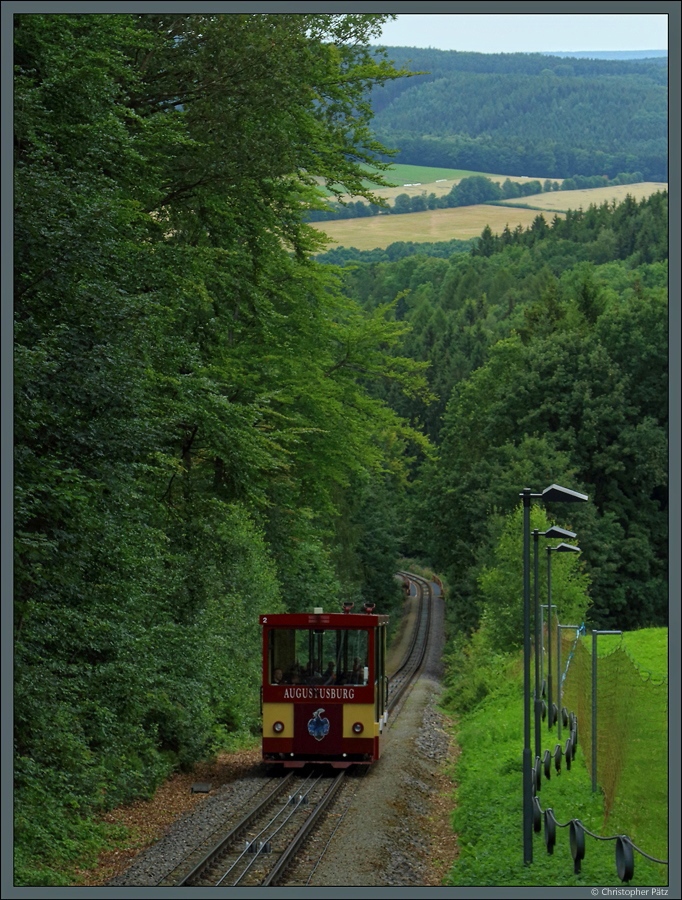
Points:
x=415 y=180
x=463 y=223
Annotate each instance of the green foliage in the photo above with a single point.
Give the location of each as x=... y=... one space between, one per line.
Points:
x=631 y=230
x=476 y=189
x=485 y=693
x=341 y=256
x=548 y=362
x=378 y=519
x=499 y=582
x=49 y=849
x=474 y=670
x=520 y=113
x=192 y=392
x=304 y=557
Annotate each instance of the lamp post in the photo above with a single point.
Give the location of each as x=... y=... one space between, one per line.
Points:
x=552 y=493
x=553 y=532
x=561 y=548
x=547 y=683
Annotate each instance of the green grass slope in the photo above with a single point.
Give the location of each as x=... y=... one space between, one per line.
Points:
x=489 y=818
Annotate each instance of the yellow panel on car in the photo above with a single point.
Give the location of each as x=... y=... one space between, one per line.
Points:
x=278 y=712
x=362 y=713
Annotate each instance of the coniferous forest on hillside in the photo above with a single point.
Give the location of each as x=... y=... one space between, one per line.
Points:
x=213 y=419
x=526 y=113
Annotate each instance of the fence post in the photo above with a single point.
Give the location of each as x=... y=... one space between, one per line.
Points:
x=558 y=666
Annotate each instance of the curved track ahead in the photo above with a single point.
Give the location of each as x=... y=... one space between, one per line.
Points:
x=413 y=661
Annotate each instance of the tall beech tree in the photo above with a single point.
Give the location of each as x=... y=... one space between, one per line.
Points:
x=192 y=405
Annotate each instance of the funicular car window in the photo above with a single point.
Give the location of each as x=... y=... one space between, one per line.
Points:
x=318 y=656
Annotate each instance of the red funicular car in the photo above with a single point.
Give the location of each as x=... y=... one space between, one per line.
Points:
x=324 y=687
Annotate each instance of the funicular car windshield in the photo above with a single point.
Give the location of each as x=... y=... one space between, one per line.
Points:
x=318 y=656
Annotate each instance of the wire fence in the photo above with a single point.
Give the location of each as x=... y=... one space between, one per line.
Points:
x=631 y=721
x=622 y=711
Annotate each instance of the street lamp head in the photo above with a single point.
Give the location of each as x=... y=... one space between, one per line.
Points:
x=565 y=548
x=556 y=532
x=556 y=493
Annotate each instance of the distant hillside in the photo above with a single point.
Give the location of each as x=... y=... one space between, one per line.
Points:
x=660 y=56
x=521 y=112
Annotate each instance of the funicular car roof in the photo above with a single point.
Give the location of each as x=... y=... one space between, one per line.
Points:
x=323 y=620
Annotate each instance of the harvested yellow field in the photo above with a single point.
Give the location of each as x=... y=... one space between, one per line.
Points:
x=462 y=223
x=562 y=200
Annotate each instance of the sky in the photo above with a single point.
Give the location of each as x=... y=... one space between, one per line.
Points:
x=528 y=33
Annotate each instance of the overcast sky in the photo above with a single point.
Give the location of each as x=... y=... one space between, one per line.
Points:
x=528 y=33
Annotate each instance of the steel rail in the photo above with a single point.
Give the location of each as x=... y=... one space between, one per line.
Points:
x=268 y=832
x=414 y=659
x=408 y=669
x=242 y=825
x=290 y=852
x=415 y=632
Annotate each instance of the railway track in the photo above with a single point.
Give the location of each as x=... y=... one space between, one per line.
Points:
x=264 y=842
x=405 y=674
x=261 y=846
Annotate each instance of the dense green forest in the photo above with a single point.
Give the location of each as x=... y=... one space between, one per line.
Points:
x=212 y=422
x=398 y=250
x=195 y=439
x=526 y=114
x=548 y=352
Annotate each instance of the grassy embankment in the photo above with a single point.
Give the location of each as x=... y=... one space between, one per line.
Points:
x=643 y=788
x=488 y=818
